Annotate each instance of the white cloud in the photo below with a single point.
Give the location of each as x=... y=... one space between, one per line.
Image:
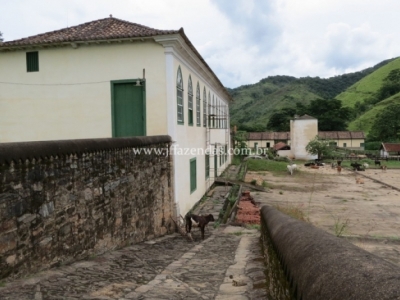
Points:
x=243 y=40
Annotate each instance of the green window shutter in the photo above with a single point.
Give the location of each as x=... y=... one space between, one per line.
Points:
x=32 y=61
x=180 y=106
x=179 y=97
x=207 y=165
x=190 y=102
x=193 y=177
x=204 y=108
x=190 y=109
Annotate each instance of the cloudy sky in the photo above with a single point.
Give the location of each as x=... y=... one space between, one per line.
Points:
x=242 y=40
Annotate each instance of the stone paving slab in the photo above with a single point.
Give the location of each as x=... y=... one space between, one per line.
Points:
x=228 y=264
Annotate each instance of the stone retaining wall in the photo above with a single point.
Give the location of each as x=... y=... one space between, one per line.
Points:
x=318 y=265
x=65 y=200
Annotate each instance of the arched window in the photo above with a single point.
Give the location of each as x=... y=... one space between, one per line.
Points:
x=213 y=112
x=218 y=117
x=179 y=96
x=190 y=102
x=204 y=107
x=198 y=121
x=209 y=109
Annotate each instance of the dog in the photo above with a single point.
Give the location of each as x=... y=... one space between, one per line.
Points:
x=200 y=221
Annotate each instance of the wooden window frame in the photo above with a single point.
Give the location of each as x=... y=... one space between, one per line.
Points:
x=32 y=61
x=204 y=107
x=190 y=102
x=180 y=109
x=198 y=106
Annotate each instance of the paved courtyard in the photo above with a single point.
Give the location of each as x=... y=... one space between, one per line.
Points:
x=226 y=265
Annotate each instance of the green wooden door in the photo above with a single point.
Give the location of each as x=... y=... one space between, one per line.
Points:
x=128 y=110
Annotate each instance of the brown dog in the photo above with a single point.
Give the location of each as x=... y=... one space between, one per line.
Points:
x=201 y=222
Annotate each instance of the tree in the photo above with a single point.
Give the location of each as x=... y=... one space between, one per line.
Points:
x=390 y=86
x=320 y=147
x=330 y=114
x=1 y=36
x=280 y=120
x=386 y=127
x=240 y=138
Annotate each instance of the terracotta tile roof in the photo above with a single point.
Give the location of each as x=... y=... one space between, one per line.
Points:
x=282 y=136
x=268 y=136
x=305 y=117
x=254 y=136
x=329 y=135
x=103 y=29
x=357 y=134
x=391 y=147
x=257 y=136
x=338 y=135
x=280 y=146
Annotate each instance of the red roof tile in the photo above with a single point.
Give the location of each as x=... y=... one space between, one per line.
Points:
x=282 y=135
x=305 y=117
x=391 y=147
x=329 y=135
x=357 y=134
x=103 y=29
x=254 y=136
x=280 y=146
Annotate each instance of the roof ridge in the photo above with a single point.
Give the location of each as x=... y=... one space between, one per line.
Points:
x=83 y=25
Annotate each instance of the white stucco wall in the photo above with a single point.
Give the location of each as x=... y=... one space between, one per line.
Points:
x=193 y=138
x=302 y=131
x=70 y=96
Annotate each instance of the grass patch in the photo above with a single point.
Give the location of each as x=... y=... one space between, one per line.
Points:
x=253 y=226
x=217 y=224
x=242 y=171
x=237 y=160
x=237 y=233
x=276 y=167
x=292 y=210
x=2 y=283
x=340 y=226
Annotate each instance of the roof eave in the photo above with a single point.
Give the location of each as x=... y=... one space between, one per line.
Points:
x=180 y=38
x=73 y=43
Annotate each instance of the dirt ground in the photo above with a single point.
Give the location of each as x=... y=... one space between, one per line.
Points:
x=366 y=213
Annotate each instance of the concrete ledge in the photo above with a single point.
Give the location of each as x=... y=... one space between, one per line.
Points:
x=29 y=150
x=319 y=265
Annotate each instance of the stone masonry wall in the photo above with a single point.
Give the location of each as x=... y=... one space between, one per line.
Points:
x=61 y=201
x=319 y=265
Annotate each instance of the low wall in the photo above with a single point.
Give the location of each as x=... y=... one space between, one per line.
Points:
x=65 y=200
x=318 y=265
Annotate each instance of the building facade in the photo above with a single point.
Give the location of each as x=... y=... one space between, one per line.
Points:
x=302 y=130
x=113 y=78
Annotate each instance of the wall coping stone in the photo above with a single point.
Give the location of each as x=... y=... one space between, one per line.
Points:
x=323 y=266
x=29 y=150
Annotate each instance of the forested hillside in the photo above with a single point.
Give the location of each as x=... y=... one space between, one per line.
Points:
x=255 y=104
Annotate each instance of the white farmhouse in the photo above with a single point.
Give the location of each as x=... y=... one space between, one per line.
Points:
x=113 y=78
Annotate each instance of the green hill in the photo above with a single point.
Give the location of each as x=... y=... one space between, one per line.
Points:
x=365 y=121
x=254 y=104
x=368 y=86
